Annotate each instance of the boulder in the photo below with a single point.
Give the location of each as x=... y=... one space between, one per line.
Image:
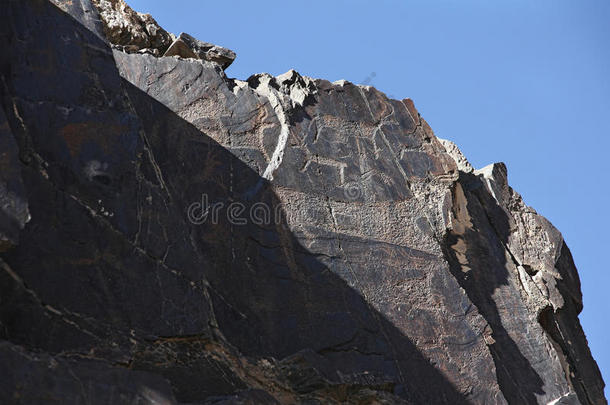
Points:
x=186 y=46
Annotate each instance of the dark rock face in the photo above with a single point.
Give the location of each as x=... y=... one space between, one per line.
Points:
x=170 y=235
x=13 y=206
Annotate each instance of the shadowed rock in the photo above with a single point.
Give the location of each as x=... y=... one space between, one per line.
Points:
x=130 y=30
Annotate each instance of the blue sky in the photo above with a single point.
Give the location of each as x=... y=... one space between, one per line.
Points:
x=522 y=82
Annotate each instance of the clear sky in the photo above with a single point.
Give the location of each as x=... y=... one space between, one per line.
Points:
x=518 y=81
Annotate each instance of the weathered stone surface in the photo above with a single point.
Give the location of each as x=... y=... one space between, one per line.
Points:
x=131 y=30
x=85 y=12
x=32 y=378
x=186 y=46
x=347 y=255
x=14 y=212
x=452 y=149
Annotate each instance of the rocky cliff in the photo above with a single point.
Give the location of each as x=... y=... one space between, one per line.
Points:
x=171 y=235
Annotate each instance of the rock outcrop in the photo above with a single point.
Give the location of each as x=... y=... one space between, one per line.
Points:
x=186 y=46
x=171 y=235
x=130 y=30
x=134 y=32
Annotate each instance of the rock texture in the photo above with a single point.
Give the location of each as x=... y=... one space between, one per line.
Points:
x=134 y=32
x=130 y=30
x=171 y=235
x=186 y=46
